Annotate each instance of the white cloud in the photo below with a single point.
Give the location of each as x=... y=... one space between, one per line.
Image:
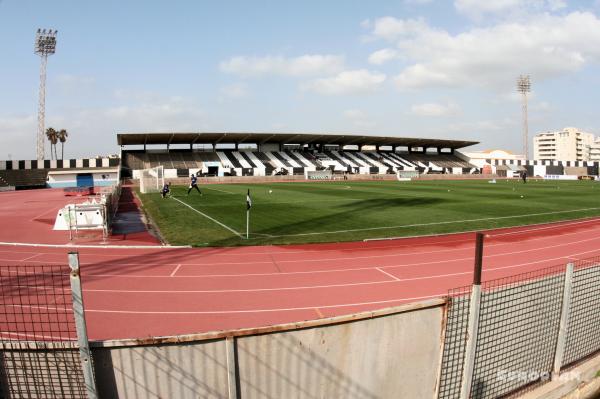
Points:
x=546 y=46
x=418 y=2
x=233 y=91
x=354 y=114
x=434 y=109
x=18 y=135
x=305 y=65
x=359 y=118
x=477 y=9
x=92 y=130
x=382 y=56
x=390 y=28
x=347 y=82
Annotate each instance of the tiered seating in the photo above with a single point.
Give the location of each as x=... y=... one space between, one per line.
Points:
x=24 y=177
x=439 y=160
x=135 y=160
x=266 y=161
x=398 y=162
x=254 y=162
x=303 y=158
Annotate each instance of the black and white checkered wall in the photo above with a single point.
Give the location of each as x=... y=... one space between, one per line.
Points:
x=60 y=163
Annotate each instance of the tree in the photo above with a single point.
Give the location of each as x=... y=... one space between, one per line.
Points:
x=53 y=139
x=62 y=137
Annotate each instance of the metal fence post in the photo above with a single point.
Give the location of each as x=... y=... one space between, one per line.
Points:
x=473 y=326
x=564 y=320
x=80 y=325
x=232 y=374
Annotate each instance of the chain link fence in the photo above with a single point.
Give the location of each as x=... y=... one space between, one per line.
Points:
x=518 y=332
x=583 y=332
x=39 y=355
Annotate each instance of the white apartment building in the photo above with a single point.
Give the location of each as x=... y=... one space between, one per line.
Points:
x=595 y=151
x=568 y=144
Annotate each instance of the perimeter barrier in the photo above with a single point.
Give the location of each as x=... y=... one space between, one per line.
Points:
x=495 y=339
x=528 y=329
x=41 y=316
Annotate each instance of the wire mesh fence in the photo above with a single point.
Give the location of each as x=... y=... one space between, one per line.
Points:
x=519 y=319
x=457 y=318
x=39 y=356
x=583 y=331
x=518 y=332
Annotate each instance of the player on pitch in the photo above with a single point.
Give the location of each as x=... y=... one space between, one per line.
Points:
x=193 y=184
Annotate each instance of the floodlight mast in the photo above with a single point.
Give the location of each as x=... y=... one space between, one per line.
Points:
x=45 y=45
x=524 y=87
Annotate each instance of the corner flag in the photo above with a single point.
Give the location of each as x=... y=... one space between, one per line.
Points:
x=248 y=201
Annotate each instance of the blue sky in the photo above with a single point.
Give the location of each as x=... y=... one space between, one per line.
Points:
x=416 y=68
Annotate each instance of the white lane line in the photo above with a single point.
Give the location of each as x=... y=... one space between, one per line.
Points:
x=208 y=217
x=29 y=257
x=288 y=252
x=35 y=245
x=545 y=225
x=15 y=334
x=175 y=271
x=309 y=287
x=387 y=274
x=404 y=226
x=470 y=258
x=48 y=211
x=378 y=282
x=344 y=305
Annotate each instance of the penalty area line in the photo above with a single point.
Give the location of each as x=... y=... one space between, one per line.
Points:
x=208 y=217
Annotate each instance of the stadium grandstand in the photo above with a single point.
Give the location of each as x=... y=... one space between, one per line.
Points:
x=266 y=154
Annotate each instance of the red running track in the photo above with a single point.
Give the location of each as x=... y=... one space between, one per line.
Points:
x=141 y=292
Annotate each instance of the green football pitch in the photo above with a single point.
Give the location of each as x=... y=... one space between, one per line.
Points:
x=285 y=213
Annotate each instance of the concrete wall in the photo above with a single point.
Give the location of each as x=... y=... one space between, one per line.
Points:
x=191 y=370
x=387 y=357
x=391 y=353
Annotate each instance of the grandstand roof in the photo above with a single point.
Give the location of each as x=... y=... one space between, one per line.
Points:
x=283 y=138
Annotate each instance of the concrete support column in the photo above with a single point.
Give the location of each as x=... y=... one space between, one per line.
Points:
x=564 y=321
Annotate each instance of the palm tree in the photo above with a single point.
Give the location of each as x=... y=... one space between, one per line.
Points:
x=62 y=137
x=53 y=139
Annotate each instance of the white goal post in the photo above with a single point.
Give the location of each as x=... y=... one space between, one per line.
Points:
x=152 y=180
x=325 y=174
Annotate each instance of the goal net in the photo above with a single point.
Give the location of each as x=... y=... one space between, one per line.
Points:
x=318 y=174
x=152 y=180
x=404 y=175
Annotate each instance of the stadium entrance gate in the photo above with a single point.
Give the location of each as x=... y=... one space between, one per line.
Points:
x=85 y=180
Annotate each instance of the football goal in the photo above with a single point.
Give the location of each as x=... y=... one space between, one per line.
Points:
x=152 y=180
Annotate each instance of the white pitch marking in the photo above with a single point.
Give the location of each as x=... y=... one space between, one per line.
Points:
x=210 y=218
x=222 y=191
x=175 y=271
x=28 y=244
x=436 y=223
